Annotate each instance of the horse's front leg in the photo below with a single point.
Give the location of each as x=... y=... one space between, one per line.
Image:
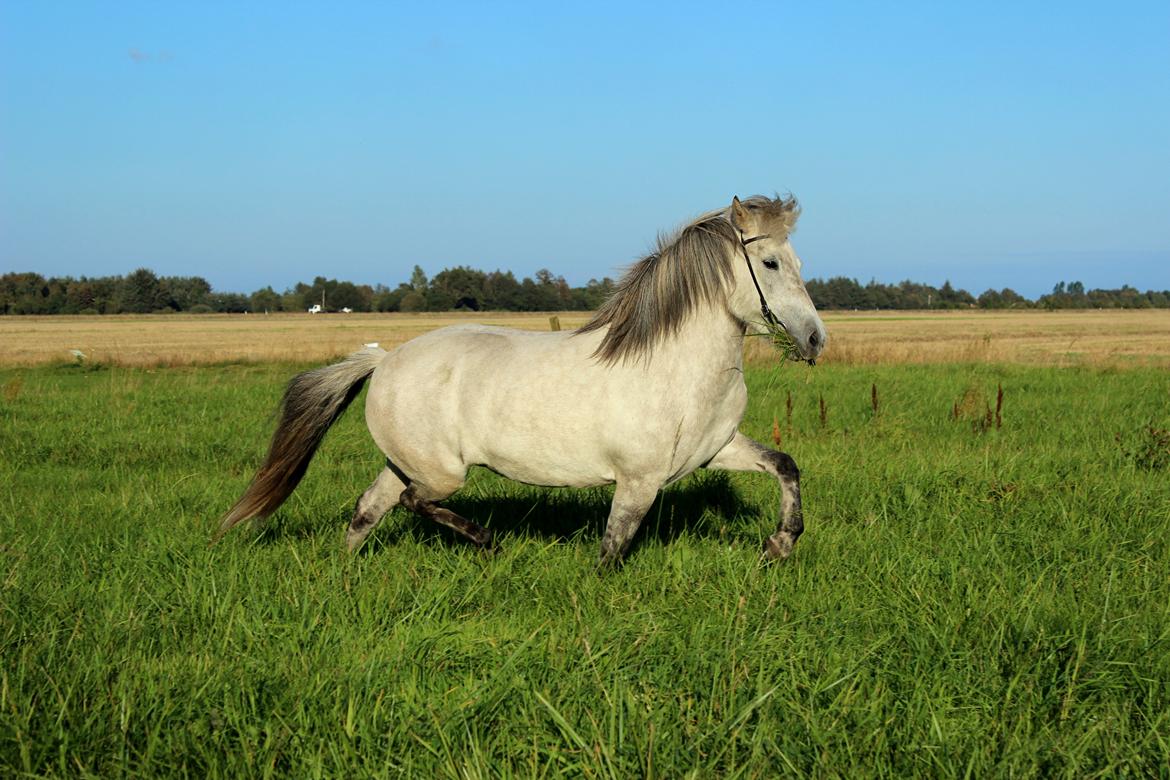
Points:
x=744 y=454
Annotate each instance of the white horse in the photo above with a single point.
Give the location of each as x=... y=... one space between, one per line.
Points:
x=648 y=391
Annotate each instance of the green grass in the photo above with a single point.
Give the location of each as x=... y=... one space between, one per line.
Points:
x=964 y=602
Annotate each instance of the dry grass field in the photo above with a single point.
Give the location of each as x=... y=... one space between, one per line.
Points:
x=1096 y=337
x=1099 y=338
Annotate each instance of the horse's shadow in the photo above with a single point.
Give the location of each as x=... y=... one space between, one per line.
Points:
x=701 y=505
x=704 y=505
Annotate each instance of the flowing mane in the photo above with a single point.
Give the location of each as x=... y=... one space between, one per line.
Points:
x=687 y=268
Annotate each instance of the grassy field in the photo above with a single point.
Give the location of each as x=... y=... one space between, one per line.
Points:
x=1065 y=338
x=967 y=600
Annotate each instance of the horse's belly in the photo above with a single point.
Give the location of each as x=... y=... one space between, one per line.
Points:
x=554 y=473
x=541 y=444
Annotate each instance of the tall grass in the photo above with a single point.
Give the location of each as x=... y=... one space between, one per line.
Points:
x=963 y=602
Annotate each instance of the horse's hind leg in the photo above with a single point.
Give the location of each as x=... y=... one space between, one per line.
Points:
x=373 y=505
x=421 y=501
x=631 y=499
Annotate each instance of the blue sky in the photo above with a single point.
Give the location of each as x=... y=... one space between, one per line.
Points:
x=266 y=143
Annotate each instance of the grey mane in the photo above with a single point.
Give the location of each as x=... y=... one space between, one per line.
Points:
x=687 y=268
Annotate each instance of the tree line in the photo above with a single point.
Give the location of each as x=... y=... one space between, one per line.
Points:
x=143 y=292
x=840 y=292
x=467 y=288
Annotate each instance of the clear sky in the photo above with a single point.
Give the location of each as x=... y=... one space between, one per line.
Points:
x=1013 y=144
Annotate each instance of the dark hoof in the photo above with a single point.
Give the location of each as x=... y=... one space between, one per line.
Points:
x=777 y=549
x=606 y=564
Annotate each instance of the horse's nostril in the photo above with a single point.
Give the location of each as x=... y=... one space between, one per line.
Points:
x=813 y=339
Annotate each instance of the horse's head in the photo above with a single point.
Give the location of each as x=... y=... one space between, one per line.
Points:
x=767 y=273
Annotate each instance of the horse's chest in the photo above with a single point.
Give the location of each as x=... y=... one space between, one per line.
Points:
x=713 y=424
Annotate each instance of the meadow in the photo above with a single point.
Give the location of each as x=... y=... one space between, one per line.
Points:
x=976 y=594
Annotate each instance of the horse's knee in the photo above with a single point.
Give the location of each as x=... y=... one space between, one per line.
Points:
x=784 y=464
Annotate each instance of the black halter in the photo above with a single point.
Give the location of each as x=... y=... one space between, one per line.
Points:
x=769 y=317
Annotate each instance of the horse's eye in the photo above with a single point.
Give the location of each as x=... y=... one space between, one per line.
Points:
x=771 y=264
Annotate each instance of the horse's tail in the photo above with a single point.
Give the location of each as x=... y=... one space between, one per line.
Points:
x=312 y=403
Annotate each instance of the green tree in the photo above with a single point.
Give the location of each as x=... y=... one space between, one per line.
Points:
x=185 y=292
x=23 y=293
x=232 y=303
x=265 y=300
x=463 y=286
x=413 y=301
x=141 y=293
x=391 y=300
x=501 y=291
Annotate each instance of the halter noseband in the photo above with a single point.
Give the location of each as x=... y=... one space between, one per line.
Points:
x=769 y=317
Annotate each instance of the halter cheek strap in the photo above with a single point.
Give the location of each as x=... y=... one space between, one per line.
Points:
x=769 y=317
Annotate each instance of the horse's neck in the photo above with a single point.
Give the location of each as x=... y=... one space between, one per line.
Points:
x=708 y=344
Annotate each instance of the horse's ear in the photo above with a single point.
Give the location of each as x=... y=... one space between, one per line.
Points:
x=739 y=214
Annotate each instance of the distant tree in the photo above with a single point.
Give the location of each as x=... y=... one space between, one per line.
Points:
x=231 y=303
x=877 y=296
x=57 y=300
x=391 y=300
x=81 y=296
x=991 y=299
x=141 y=293
x=296 y=298
x=347 y=295
x=23 y=293
x=592 y=295
x=1130 y=298
x=413 y=301
x=461 y=284
x=1013 y=299
x=185 y=292
x=501 y=291
x=265 y=300
x=437 y=300
x=951 y=298
x=1007 y=298
x=334 y=294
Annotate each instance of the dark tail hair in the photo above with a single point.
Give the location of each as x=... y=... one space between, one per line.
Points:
x=312 y=403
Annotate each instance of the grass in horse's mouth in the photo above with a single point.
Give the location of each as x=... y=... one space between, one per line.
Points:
x=783 y=343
